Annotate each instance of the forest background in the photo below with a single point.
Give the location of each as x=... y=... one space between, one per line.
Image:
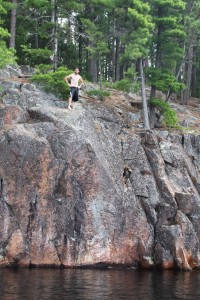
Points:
x=109 y=40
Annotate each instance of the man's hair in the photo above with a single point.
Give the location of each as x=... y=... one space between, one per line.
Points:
x=76 y=68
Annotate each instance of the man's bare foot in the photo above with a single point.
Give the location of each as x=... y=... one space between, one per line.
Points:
x=74 y=105
x=69 y=107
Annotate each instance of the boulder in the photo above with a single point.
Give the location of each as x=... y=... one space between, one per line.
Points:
x=10 y=71
x=12 y=114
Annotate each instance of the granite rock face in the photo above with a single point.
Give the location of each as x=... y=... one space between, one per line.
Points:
x=81 y=188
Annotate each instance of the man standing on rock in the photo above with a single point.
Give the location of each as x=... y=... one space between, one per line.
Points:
x=75 y=82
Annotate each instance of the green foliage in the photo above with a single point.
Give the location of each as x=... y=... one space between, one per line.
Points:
x=169 y=33
x=123 y=85
x=43 y=69
x=163 y=80
x=53 y=82
x=135 y=87
x=101 y=94
x=36 y=56
x=97 y=38
x=131 y=73
x=37 y=4
x=98 y=44
x=170 y=116
x=134 y=22
x=107 y=84
x=139 y=16
x=6 y=55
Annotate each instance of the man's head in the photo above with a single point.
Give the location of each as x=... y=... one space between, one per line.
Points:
x=76 y=71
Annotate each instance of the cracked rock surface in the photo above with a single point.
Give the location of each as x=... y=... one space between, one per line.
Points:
x=81 y=188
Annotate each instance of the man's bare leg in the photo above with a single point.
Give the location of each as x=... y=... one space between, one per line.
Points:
x=69 y=103
x=74 y=104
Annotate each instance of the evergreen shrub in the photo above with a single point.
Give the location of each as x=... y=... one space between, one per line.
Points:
x=53 y=82
x=170 y=115
x=122 y=85
x=101 y=94
x=125 y=85
x=43 y=68
x=6 y=55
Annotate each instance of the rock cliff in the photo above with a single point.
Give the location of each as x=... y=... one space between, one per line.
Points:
x=83 y=188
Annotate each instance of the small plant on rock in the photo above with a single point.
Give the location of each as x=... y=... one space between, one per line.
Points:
x=122 y=85
x=43 y=68
x=170 y=115
x=101 y=94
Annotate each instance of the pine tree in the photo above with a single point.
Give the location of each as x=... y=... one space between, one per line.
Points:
x=166 y=48
x=97 y=44
x=192 y=28
x=6 y=55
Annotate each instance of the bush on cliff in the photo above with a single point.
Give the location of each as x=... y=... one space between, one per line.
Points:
x=6 y=55
x=125 y=85
x=53 y=82
x=170 y=116
x=122 y=85
x=43 y=68
x=101 y=94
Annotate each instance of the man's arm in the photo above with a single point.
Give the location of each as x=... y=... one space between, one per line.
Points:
x=81 y=81
x=66 y=79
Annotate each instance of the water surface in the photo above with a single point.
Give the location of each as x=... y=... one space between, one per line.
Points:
x=58 y=284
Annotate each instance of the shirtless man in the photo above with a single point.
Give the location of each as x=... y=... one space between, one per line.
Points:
x=75 y=82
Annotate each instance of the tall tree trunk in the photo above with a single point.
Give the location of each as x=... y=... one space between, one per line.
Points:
x=36 y=41
x=181 y=75
x=13 y=24
x=36 y=30
x=158 y=61
x=113 y=55
x=100 y=74
x=54 y=20
x=87 y=58
x=117 y=60
x=182 y=97
x=106 y=68
x=189 y=71
x=158 y=57
x=146 y=62
x=93 y=68
x=153 y=92
x=144 y=99
x=168 y=95
x=123 y=65
x=80 y=48
x=194 y=74
x=122 y=69
x=109 y=61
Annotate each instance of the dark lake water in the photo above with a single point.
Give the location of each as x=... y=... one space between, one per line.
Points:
x=53 y=284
